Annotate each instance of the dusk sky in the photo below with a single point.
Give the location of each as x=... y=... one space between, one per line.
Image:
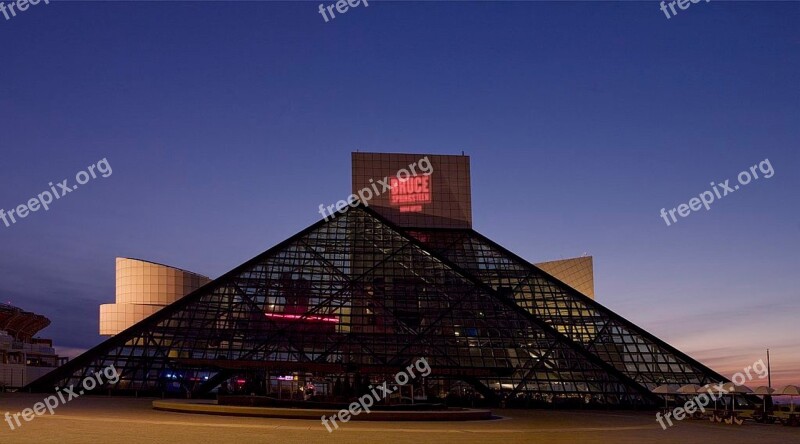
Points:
x=227 y=124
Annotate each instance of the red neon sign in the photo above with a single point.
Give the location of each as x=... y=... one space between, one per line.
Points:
x=307 y=318
x=410 y=193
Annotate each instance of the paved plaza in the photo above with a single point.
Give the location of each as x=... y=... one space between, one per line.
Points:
x=130 y=420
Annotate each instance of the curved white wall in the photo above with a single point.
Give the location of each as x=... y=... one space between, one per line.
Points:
x=143 y=288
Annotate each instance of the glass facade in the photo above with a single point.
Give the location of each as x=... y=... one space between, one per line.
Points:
x=630 y=349
x=358 y=298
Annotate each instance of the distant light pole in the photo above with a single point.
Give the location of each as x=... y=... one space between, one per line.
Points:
x=769 y=372
x=768 y=398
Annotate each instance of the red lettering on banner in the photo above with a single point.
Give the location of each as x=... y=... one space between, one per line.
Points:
x=410 y=193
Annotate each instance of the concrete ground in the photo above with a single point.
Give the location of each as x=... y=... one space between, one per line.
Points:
x=125 y=420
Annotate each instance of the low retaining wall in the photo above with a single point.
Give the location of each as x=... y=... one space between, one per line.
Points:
x=211 y=408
